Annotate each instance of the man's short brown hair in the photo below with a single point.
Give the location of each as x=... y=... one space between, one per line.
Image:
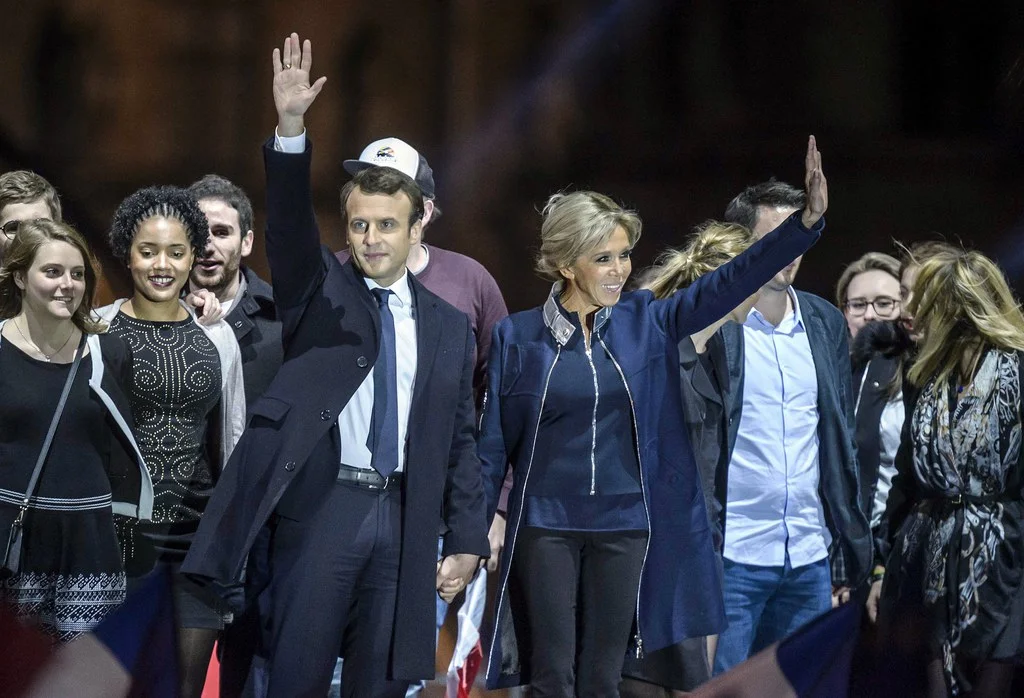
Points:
x=24 y=187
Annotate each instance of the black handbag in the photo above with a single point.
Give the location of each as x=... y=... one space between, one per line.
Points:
x=12 y=554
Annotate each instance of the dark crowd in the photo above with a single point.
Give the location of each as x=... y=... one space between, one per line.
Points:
x=665 y=470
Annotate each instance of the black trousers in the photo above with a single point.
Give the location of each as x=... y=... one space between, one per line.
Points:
x=579 y=592
x=334 y=578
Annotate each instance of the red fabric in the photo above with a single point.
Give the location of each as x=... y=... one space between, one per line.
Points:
x=212 y=687
x=23 y=652
x=467 y=673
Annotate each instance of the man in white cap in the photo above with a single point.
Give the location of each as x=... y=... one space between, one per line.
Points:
x=460 y=280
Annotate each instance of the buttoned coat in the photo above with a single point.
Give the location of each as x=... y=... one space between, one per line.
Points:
x=287 y=461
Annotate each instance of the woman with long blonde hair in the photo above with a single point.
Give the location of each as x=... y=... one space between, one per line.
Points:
x=956 y=506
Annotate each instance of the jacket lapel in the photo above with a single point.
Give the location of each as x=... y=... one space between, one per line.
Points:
x=816 y=336
x=428 y=339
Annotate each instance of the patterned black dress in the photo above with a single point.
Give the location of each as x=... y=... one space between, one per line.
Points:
x=71 y=574
x=959 y=552
x=174 y=397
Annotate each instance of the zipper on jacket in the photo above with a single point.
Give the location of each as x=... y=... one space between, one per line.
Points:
x=515 y=531
x=643 y=492
x=593 y=416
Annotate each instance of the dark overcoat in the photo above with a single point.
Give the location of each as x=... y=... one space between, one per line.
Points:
x=287 y=460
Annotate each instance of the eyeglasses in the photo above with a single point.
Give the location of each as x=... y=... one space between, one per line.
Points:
x=883 y=306
x=10 y=228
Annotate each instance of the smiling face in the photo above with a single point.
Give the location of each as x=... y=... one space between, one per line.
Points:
x=160 y=259
x=54 y=284
x=596 y=279
x=217 y=267
x=379 y=234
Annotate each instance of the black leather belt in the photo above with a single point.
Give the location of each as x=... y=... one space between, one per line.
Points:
x=370 y=479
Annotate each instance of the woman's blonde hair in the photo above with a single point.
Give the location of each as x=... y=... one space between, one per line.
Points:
x=961 y=302
x=20 y=256
x=711 y=245
x=576 y=223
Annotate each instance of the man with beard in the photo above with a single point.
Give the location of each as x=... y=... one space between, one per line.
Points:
x=246 y=300
x=791 y=496
x=248 y=303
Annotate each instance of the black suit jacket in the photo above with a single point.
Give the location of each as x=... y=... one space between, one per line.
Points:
x=253 y=319
x=287 y=460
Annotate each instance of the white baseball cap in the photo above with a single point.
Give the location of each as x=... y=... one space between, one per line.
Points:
x=397 y=154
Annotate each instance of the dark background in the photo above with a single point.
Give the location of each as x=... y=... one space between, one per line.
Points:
x=669 y=107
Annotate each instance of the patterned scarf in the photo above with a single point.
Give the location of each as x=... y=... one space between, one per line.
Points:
x=966 y=450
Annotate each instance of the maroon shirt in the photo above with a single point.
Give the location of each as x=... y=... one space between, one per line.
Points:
x=464 y=283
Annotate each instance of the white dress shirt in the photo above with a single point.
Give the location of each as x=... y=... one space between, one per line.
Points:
x=354 y=420
x=773 y=503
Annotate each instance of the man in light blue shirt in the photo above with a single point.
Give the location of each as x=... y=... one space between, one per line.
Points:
x=791 y=495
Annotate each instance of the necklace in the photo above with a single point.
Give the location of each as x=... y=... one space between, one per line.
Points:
x=36 y=346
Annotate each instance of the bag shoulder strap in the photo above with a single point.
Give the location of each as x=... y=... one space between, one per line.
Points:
x=34 y=480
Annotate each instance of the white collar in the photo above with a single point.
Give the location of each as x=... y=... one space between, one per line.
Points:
x=400 y=288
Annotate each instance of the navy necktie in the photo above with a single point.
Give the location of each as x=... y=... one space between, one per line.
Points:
x=383 y=437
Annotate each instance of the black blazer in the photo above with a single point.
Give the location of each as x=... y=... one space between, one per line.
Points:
x=287 y=460
x=257 y=328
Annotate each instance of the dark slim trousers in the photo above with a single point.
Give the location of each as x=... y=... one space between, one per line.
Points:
x=578 y=590
x=334 y=577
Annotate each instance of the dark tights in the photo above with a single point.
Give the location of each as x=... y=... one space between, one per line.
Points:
x=991 y=679
x=195 y=646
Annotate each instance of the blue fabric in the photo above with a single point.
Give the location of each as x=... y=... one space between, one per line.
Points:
x=766 y=604
x=830 y=641
x=680 y=589
x=585 y=474
x=142 y=635
x=383 y=437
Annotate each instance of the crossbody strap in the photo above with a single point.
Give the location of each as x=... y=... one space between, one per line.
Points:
x=34 y=480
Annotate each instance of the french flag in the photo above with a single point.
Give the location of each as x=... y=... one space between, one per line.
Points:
x=131 y=653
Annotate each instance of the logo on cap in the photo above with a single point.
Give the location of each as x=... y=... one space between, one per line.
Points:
x=385 y=153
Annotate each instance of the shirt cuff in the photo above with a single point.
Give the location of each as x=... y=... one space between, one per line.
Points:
x=290 y=144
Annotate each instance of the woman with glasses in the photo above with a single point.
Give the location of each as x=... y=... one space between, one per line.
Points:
x=869 y=294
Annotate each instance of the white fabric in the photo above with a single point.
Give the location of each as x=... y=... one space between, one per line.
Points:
x=890 y=428
x=773 y=503
x=355 y=417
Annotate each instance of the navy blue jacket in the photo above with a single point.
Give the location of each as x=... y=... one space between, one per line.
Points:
x=287 y=460
x=839 y=486
x=680 y=589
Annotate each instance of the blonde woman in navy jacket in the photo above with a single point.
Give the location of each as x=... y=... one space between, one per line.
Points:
x=584 y=404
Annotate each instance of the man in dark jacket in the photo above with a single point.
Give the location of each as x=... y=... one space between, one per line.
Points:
x=794 y=528
x=248 y=304
x=362 y=442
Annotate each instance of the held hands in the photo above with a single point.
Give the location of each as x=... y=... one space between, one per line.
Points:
x=873 y=597
x=454 y=573
x=815 y=184
x=840 y=595
x=292 y=92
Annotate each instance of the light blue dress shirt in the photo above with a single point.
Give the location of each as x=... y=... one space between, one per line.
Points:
x=773 y=503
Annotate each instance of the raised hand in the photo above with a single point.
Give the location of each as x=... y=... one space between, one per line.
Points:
x=815 y=184
x=292 y=92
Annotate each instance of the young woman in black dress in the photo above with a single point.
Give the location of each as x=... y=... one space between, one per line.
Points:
x=71 y=573
x=188 y=398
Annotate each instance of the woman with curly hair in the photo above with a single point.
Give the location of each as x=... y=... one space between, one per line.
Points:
x=187 y=396
x=70 y=573
x=956 y=503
